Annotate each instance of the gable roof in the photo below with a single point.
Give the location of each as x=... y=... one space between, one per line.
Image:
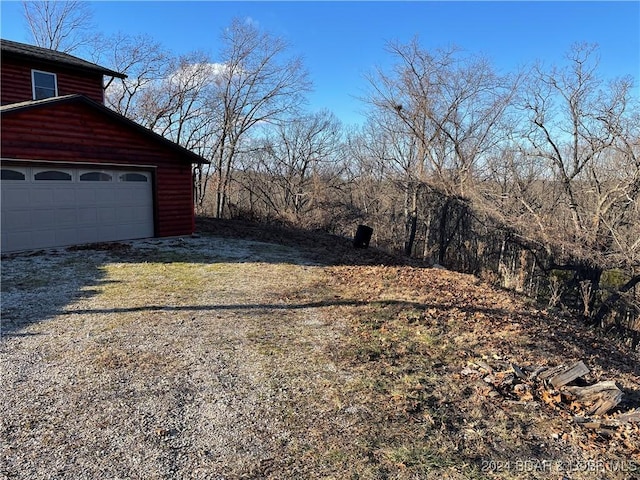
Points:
x=101 y=109
x=17 y=49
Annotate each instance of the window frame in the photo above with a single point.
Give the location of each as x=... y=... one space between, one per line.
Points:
x=101 y=173
x=66 y=171
x=19 y=170
x=124 y=177
x=33 y=84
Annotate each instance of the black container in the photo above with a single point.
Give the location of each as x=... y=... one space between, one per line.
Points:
x=363 y=236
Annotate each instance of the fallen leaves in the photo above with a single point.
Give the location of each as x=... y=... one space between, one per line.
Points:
x=495 y=354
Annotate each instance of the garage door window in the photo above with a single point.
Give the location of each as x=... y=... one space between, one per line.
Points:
x=133 y=177
x=12 y=174
x=95 y=177
x=57 y=175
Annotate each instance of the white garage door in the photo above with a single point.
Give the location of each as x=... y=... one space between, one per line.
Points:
x=50 y=207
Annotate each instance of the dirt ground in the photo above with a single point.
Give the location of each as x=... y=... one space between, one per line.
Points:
x=269 y=353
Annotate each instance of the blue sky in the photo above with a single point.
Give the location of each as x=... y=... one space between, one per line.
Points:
x=341 y=41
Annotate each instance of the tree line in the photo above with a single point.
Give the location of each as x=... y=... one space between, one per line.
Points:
x=529 y=179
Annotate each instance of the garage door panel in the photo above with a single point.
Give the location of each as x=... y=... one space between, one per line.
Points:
x=140 y=213
x=134 y=231
x=17 y=220
x=86 y=196
x=41 y=197
x=108 y=233
x=132 y=215
x=139 y=196
x=43 y=238
x=15 y=197
x=125 y=215
x=64 y=197
x=87 y=216
x=87 y=235
x=106 y=197
x=125 y=198
x=67 y=236
x=107 y=215
x=42 y=218
x=41 y=213
x=16 y=241
x=66 y=216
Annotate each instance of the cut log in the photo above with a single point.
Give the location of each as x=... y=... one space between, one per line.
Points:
x=629 y=417
x=537 y=372
x=617 y=421
x=598 y=398
x=569 y=375
x=547 y=373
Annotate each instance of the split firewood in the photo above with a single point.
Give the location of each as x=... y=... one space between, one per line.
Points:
x=536 y=372
x=550 y=372
x=617 y=421
x=600 y=398
x=569 y=375
x=552 y=387
x=629 y=417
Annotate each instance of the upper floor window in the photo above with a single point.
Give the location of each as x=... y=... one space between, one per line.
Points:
x=44 y=84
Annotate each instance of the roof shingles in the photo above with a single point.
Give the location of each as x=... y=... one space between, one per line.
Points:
x=10 y=47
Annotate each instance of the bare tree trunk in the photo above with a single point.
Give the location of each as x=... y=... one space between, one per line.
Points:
x=412 y=223
x=608 y=304
x=442 y=233
x=427 y=234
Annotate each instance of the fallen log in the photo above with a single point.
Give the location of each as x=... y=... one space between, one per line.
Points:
x=598 y=398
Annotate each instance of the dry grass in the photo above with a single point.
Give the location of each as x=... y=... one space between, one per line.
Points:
x=413 y=339
x=212 y=358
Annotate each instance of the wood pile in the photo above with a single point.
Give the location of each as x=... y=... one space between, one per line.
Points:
x=564 y=388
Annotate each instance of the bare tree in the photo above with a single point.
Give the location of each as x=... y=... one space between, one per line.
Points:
x=177 y=107
x=293 y=155
x=65 y=26
x=177 y=97
x=143 y=60
x=568 y=183
x=398 y=152
x=584 y=133
x=257 y=83
x=450 y=108
x=365 y=175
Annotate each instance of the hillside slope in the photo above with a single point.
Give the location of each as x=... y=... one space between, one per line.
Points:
x=424 y=337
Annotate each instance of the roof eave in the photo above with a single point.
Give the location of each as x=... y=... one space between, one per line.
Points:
x=68 y=66
x=13 y=49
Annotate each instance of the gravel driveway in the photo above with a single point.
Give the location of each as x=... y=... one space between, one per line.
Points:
x=174 y=358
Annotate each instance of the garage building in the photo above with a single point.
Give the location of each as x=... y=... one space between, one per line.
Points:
x=73 y=171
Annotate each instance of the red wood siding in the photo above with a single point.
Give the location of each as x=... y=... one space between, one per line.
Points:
x=15 y=81
x=77 y=133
